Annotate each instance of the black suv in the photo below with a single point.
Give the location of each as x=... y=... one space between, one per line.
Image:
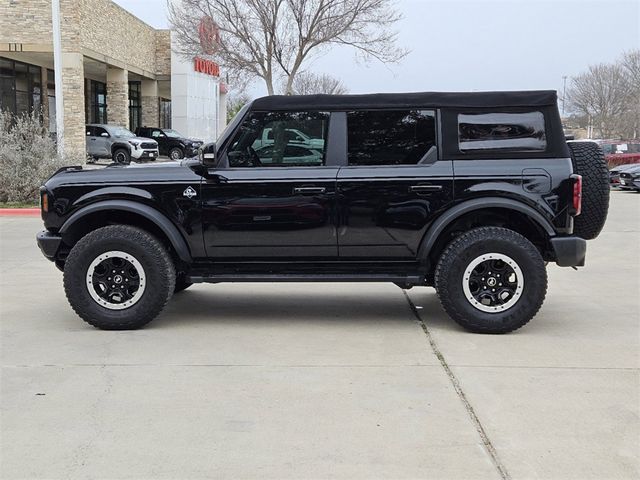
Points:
x=471 y=193
x=171 y=143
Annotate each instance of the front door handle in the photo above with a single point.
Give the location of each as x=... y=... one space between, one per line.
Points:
x=425 y=188
x=309 y=190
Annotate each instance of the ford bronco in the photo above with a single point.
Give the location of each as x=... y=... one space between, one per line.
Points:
x=470 y=193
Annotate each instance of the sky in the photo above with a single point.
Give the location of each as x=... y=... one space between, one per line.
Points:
x=466 y=45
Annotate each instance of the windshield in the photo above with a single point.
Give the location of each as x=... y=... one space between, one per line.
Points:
x=122 y=132
x=232 y=124
x=172 y=133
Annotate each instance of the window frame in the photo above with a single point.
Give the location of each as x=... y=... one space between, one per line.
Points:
x=450 y=139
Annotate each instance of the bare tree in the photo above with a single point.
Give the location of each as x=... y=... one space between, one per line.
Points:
x=270 y=39
x=602 y=93
x=631 y=121
x=235 y=102
x=308 y=83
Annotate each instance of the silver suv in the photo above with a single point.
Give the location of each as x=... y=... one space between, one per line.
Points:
x=119 y=144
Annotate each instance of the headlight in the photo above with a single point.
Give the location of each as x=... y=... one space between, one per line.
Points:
x=134 y=144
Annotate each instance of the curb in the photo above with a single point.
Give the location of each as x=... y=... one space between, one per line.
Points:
x=19 y=212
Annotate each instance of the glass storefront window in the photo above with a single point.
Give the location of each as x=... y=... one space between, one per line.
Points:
x=20 y=87
x=135 y=105
x=96 y=102
x=165 y=113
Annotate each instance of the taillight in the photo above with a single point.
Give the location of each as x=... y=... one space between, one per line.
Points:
x=577 y=194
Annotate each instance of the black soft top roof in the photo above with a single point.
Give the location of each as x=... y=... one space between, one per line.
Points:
x=529 y=98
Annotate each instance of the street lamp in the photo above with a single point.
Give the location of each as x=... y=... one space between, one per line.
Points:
x=57 y=68
x=564 y=92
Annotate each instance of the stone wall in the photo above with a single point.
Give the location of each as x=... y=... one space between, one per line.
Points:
x=112 y=31
x=118 y=96
x=25 y=21
x=73 y=92
x=163 y=52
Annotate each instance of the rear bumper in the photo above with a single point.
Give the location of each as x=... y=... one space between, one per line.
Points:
x=49 y=243
x=569 y=251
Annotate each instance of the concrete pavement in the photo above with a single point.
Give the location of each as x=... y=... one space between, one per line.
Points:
x=323 y=380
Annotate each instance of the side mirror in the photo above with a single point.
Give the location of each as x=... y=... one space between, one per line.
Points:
x=207 y=154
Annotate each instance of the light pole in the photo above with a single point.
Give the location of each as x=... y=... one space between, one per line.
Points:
x=564 y=92
x=57 y=68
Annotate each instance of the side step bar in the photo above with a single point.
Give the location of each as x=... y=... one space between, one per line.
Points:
x=400 y=280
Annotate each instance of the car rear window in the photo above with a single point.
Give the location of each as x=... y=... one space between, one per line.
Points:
x=501 y=131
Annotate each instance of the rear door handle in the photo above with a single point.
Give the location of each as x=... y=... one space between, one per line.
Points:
x=425 y=188
x=309 y=190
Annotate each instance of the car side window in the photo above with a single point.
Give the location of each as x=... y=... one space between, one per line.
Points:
x=156 y=134
x=91 y=132
x=501 y=131
x=267 y=139
x=391 y=137
x=98 y=131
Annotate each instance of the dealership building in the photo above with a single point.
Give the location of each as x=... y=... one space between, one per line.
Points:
x=115 y=69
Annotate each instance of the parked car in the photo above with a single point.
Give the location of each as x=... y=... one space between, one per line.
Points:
x=630 y=178
x=171 y=143
x=119 y=144
x=293 y=136
x=292 y=155
x=614 y=173
x=470 y=193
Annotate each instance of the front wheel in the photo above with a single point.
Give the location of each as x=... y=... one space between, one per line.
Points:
x=118 y=277
x=491 y=280
x=176 y=153
x=121 y=157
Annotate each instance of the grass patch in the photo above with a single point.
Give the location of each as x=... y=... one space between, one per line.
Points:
x=19 y=205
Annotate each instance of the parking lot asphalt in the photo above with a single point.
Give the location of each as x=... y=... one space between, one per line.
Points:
x=323 y=380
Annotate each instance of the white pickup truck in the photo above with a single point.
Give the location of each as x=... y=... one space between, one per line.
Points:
x=295 y=137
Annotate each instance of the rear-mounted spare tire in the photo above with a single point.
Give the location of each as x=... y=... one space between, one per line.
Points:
x=588 y=160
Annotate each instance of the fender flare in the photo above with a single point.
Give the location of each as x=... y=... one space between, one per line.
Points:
x=117 y=145
x=159 y=219
x=444 y=220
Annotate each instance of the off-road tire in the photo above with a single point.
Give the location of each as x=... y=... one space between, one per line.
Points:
x=121 y=156
x=179 y=153
x=181 y=283
x=146 y=249
x=588 y=160
x=449 y=276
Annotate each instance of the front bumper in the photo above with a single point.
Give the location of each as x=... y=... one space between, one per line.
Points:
x=139 y=154
x=569 y=251
x=49 y=243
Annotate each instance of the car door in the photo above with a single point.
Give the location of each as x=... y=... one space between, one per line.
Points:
x=393 y=186
x=100 y=144
x=160 y=137
x=91 y=141
x=271 y=203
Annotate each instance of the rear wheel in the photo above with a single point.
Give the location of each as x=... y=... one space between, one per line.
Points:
x=118 y=277
x=491 y=280
x=588 y=160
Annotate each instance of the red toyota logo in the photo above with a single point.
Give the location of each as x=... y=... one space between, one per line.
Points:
x=209 y=35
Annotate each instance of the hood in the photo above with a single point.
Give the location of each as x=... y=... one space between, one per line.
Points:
x=123 y=174
x=139 y=139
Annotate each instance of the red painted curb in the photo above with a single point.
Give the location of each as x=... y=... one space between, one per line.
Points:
x=19 y=212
